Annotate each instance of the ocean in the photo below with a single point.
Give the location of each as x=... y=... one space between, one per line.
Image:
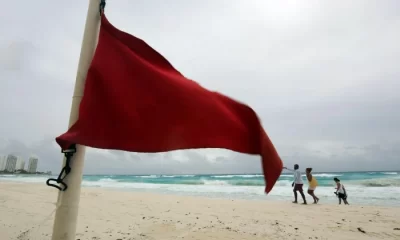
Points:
x=363 y=188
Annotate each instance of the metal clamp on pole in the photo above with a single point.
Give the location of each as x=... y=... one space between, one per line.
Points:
x=102 y=6
x=68 y=153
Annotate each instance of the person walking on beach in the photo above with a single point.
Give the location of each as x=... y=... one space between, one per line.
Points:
x=312 y=184
x=340 y=191
x=297 y=183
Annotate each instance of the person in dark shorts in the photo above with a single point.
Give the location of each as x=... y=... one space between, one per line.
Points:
x=297 y=183
x=340 y=191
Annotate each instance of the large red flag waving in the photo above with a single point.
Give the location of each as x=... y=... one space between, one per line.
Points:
x=135 y=100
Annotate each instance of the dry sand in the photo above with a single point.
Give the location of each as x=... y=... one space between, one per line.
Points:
x=25 y=213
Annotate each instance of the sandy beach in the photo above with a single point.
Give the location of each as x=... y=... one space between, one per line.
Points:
x=26 y=212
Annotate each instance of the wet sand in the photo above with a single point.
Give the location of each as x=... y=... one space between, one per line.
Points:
x=27 y=212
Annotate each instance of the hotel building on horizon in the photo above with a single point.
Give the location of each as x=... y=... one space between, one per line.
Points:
x=32 y=164
x=3 y=161
x=20 y=165
x=12 y=163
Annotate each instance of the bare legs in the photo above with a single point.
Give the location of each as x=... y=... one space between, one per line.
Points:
x=311 y=192
x=344 y=200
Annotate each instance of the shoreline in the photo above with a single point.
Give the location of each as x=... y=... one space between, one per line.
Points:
x=261 y=196
x=27 y=213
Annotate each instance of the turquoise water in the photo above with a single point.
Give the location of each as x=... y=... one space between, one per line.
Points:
x=367 y=179
x=367 y=188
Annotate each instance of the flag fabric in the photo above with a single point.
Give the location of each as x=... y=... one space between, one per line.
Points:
x=135 y=100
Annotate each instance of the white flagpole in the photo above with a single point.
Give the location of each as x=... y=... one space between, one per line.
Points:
x=65 y=221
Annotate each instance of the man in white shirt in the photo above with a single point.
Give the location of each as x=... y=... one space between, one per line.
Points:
x=297 y=183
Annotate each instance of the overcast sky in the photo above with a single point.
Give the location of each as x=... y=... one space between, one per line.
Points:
x=324 y=77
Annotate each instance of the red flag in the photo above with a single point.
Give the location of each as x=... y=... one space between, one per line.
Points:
x=135 y=100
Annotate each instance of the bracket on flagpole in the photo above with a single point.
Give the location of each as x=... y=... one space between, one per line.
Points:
x=68 y=153
x=102 y=6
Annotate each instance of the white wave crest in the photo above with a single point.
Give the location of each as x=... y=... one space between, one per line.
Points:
x=241 y=175
x=109 y=180
x=327 y=175
x=148 y=176
x=215 y=182
x=173 y=176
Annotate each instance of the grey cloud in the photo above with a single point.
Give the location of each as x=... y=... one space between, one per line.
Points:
x=379 y=159
x=369 y=157
x=104 y=161
x=323 y=77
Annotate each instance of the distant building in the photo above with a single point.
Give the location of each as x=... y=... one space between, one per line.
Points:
x=3 y=161
x=20 y=164
x=11 y=163
x=32 y=164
